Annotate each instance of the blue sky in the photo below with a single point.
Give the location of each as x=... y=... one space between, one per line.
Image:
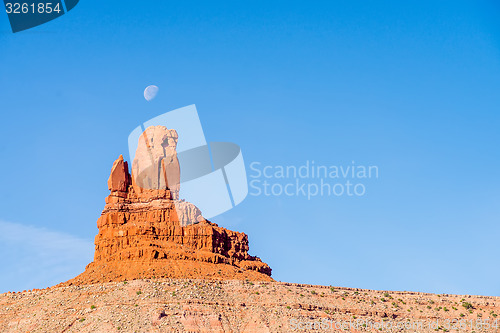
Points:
x=412 y=87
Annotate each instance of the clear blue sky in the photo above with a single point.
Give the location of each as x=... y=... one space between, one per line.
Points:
x=410 y=86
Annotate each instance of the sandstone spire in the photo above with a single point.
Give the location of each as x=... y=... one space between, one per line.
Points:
x=119 y=179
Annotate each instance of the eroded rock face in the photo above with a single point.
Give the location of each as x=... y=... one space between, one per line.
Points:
x=149 y=232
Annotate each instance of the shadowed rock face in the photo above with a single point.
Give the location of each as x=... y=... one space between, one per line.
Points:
x=146 y=231
x=119 y=179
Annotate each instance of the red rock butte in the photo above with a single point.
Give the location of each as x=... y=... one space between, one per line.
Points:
x=146 y=231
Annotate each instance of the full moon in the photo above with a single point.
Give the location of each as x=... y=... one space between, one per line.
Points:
x=150 y=92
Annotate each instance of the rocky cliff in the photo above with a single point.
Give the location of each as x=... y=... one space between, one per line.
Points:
x=145 y=230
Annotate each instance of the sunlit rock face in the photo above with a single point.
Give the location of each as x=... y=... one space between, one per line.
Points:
x=155 y=169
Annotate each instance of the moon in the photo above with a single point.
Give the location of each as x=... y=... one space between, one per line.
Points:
x=150 y=92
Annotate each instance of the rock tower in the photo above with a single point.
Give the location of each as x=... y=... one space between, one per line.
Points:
x=146 y=231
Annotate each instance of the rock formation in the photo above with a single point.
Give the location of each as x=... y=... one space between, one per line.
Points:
x=146 y=231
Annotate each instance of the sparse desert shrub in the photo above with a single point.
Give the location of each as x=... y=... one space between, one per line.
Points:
x=467 y=305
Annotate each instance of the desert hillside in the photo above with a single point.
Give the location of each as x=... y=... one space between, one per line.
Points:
x=187 y=305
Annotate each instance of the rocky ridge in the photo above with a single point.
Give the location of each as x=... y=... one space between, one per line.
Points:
x=190 y=305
